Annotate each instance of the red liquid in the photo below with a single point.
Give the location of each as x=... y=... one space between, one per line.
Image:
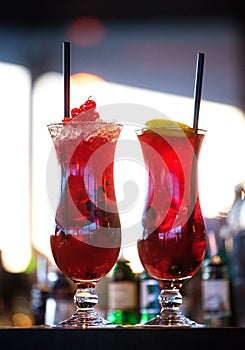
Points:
x=87 y=237
x=174 y=237
x=81 y=261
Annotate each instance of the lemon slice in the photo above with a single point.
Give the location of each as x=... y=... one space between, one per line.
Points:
x=166 y=123
x=168 y=126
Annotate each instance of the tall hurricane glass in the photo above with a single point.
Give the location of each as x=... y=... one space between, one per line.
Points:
x=86 y=239
x=173 y=241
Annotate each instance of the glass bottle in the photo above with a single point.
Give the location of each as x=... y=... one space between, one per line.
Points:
x=123 y=294
x=40 y=291
x=59 y=303
x=234 y=237
x=149 y=291
x=215 y=287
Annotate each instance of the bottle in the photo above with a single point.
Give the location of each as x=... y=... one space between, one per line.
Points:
x=149 y=292
x=38 y=304
x=215 y=287
x=123 y=295
x=39 y=291
x=191 y=305
x=234 y=238
x=59 y=303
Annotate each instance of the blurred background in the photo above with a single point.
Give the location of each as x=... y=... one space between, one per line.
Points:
x=130 y=52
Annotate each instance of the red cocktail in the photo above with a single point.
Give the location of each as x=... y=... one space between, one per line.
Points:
x=87 y=236
x=173 y=242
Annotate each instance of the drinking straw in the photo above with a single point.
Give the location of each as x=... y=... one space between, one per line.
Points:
x=66 y=76
x=198 y=88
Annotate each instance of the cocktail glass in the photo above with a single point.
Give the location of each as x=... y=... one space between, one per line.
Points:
x=173 y=241
x=86 y=240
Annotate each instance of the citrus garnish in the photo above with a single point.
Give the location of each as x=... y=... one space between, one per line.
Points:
x=166 y=123
x=168 y=126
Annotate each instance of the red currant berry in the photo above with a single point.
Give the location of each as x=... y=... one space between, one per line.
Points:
x=66 y=120
x=75 y=112
x=89 y=104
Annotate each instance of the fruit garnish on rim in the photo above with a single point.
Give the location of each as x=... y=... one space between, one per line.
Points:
x=166 y=123
x=86 y=112
x=163 y=126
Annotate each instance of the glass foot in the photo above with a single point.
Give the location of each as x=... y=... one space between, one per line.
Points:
x=83 y=320
x=172 y=320
x=170 y=315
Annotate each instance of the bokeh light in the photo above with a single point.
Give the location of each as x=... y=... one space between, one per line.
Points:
x=86 y=31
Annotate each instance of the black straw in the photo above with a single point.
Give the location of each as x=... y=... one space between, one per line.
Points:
x=198 y=88
x=66 y=76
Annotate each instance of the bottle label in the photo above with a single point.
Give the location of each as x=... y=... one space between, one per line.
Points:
x=149 y=292
x=122 y=295
x=216 y=296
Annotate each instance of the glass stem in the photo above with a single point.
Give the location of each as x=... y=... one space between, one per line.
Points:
x=85 y=298
x=85 y=316
x=170 y=299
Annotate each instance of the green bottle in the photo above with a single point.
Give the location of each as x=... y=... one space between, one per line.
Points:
x=123 y=295
x=149 y=292
x=216 y=296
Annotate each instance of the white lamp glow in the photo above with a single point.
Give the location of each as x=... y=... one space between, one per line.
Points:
x=47 y=108
x=15 y=92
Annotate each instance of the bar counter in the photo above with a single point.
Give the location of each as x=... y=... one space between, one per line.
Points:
x=121 y=338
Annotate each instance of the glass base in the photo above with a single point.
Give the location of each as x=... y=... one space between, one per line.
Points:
x=170 y=301
x=83 y=320
x=172 y=319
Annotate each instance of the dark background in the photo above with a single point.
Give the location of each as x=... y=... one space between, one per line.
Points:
x=55 y=11
x=149 y=44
